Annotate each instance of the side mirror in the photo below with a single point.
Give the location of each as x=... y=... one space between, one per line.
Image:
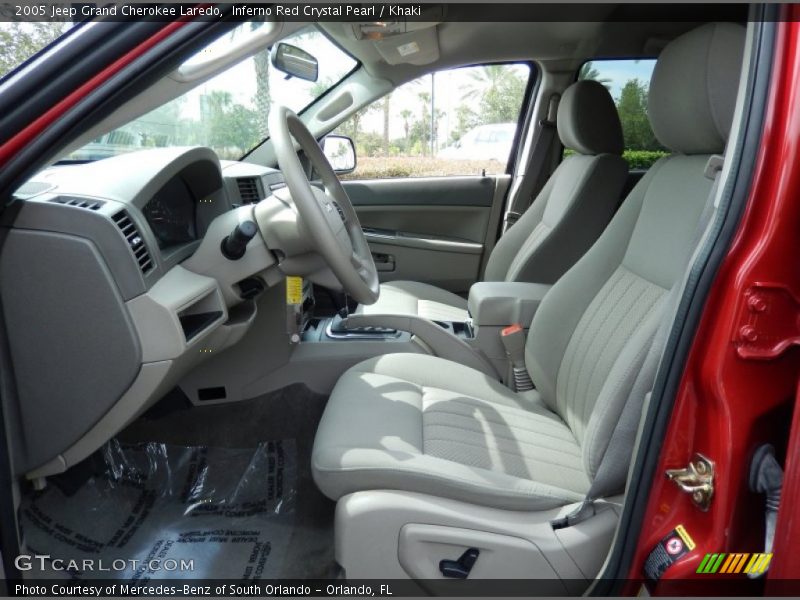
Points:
x=340 y=152
x=294 y=61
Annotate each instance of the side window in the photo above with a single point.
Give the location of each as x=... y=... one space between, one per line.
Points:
x=456 y=122
x=628 y=81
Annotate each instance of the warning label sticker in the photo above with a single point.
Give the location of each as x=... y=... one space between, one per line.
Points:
x=673 y=546
x=294 y=290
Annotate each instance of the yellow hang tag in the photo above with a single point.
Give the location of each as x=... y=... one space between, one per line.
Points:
x=294 y=290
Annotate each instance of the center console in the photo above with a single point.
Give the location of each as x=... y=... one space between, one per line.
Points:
x=477 y=342
x=496 y=306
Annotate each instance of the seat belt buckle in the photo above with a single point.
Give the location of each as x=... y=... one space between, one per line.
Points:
x=510 y=218
x=513 y=339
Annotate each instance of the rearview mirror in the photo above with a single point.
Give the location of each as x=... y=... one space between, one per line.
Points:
x=340 y=152
x=295 y=62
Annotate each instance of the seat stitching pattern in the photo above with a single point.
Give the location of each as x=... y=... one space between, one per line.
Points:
x=537 y=432
x=515 y=455
x=595 y=330
x=607 y=341
x=600 y=340
x=513 y=440
x=573 y=354
x=581 y=333
x=516 y=412
x=485 y=447
x=591 y=457
x=499 y=438
x=531 y=429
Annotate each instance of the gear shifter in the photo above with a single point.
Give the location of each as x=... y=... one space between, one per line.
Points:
x=338 y=329
x=337 y=323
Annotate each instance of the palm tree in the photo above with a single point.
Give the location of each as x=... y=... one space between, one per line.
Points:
x=263 y=99
x=405 y=114
x=485 y=79
x=589 y=72
x=386 y=115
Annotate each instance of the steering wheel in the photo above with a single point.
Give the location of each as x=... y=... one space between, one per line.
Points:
x=328 y=215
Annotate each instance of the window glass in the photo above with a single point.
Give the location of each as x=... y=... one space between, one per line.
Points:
x=20 y=41
x=628 y=81
x=457 y=122
x=227 y=113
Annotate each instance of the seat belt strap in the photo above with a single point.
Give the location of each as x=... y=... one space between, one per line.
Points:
x=619 y=446
x=539 y=151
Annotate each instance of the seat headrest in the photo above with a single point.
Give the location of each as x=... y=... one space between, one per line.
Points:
x=588 y=121
x=693 y=89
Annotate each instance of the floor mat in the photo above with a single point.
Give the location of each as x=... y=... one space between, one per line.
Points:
x=292 y=412
x=230 y=511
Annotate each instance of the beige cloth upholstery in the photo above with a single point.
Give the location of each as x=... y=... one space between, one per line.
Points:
x=697 y=122
x=417 y=422
x=563 y=221
x=420 y=423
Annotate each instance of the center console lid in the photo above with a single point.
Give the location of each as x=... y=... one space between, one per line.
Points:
x=501 y=303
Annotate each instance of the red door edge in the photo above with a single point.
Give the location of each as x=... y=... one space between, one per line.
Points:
x=22 y=138
x=729 y=402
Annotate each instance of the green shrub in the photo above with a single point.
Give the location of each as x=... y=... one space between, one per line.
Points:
x=637 y=159
x=642 y=159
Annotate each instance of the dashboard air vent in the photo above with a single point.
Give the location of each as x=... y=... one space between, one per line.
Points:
x=135 y=240
x=249 y=189
x=80 y=202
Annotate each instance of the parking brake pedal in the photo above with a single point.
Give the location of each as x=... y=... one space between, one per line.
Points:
x=459 y=569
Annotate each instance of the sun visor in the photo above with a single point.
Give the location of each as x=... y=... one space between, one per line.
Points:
x=417 y=48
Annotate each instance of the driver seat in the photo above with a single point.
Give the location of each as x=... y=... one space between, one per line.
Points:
x=564 y=220
x=429 y=426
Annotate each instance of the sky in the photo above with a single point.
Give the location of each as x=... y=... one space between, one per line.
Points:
x=618 y=72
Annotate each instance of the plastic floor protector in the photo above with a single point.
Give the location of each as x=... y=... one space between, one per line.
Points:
x=228 y=511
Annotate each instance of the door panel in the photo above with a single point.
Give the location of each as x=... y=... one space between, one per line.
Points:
x=426 y=191
x=431 y=229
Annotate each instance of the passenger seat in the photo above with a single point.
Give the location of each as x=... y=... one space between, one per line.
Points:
x=565 y=219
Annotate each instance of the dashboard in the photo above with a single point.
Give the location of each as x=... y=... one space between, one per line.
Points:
x=124 y=255
x=172 y=214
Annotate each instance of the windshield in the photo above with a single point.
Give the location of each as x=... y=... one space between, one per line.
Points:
x=20 y=41
x=227 y=113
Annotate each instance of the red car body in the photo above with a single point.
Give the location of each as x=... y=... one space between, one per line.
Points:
x=741 y=370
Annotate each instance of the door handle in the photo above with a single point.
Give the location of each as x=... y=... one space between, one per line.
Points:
x=383 y=262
